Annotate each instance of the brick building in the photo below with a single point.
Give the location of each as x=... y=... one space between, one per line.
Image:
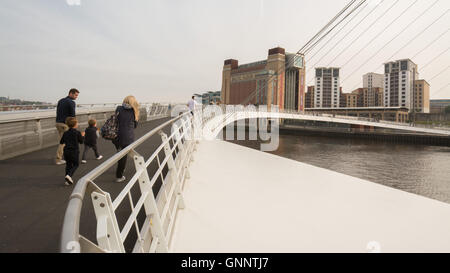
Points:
x=278 y=80
x=309 y=97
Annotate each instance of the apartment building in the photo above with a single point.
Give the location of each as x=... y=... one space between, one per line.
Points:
x=327 y=88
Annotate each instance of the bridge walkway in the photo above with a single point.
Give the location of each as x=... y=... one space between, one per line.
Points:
x=33 y=197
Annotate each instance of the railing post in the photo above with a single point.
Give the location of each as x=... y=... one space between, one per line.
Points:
x=187 y=129
x=151 y=209
x=108 y=233
x=188 y=136
x=191 y=135
x=39 y=131
x=173 y=171
x=189 y=146
x=1 y=148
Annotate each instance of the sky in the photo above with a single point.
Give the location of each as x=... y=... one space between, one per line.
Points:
x=166 y=50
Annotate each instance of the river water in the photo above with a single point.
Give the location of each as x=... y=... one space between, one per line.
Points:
x=418 y=169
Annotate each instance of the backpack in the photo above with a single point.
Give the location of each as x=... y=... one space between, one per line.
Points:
x=110 y=129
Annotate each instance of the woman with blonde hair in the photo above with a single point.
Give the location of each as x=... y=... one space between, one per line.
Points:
x=127 y=117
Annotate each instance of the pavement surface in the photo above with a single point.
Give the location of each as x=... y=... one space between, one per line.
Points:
x=263 y=203
x=33 y=197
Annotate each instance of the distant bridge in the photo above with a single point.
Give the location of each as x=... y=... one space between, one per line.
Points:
x=217 y=119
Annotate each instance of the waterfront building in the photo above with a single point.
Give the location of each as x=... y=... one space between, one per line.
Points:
x=372 y=83
x=278 y=80
x=327 y=87
x=359 y=93
x=438 y=106
x=309 y=97
x=421 y=96
x=351 y=100
x=379 y=93
x=399 y=79
x=342 y=99
x=361 y=97
x=294 y=98
x=372 y=97
x=397 y=114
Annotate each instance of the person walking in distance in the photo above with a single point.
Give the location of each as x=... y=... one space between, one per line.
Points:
x=71 y=138
x=191 y=104
x=65 y=108
x=90 y=140
x=127 y=117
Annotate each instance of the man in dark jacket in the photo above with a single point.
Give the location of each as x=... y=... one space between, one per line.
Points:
x=66 y=108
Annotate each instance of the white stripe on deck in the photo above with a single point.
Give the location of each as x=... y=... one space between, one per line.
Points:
x=243 y=200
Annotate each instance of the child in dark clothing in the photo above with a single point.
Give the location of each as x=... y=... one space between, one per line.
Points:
x=90 y=140
x=71 y=139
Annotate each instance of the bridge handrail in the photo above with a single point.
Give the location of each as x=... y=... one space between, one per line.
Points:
x=51 y=106
x=22 y=115
x=23 y=132
x=153 y=238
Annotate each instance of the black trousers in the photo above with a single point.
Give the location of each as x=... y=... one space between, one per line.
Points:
x=72 y=159
x=122 y=162
x=87 y=148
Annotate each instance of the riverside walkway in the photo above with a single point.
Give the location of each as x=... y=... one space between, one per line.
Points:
x=33 y=197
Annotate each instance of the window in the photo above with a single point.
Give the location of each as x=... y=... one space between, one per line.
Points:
x=404 y=65
x=318 y=72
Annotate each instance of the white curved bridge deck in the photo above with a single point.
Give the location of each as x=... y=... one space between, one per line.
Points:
x=213 y=125
x=242 y=200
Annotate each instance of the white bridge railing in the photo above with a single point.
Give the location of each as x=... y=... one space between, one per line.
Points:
x=22 y=132
x=155 y=233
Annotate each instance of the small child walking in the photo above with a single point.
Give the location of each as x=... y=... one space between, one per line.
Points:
x=71 y=139
x=90 y=140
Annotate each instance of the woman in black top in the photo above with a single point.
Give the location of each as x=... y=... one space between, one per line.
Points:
x=128 y=117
